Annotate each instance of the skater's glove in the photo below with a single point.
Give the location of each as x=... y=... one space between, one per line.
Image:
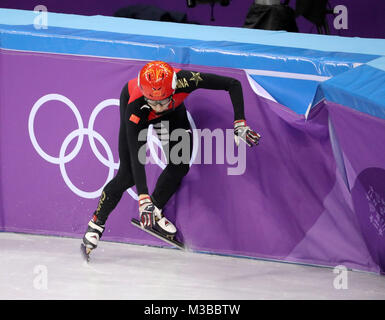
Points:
x=146 y=212
x=244 y=133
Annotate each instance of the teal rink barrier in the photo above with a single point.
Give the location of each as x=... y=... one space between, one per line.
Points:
x=289 y=66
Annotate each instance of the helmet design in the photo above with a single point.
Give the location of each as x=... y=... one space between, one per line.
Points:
x=157 y=80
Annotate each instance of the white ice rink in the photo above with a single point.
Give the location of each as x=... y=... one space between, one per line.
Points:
x=41 y=267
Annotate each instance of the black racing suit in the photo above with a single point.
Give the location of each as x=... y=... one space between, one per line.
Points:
x=136 y=115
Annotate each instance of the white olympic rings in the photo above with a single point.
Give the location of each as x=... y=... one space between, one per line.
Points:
x=79 y=133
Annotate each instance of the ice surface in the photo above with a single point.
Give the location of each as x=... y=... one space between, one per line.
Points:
x=43 y=267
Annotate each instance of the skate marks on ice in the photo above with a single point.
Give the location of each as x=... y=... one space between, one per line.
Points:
x=86 y=252
x=46 y=267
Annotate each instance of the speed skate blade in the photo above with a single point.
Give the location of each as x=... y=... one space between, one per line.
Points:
x=85 y=252
x=155 y=233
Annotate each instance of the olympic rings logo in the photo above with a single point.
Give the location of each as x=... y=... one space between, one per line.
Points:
x=79 y=133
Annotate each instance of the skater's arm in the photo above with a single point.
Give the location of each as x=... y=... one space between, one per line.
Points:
x=189 y=81
x=123 y=101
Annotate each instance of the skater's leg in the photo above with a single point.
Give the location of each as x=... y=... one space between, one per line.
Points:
x=178 y=152
x=178 y=156
x=111 y=195
x=168 y=183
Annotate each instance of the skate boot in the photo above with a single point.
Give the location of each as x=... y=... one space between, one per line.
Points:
x=92 y=236
x=152 y=217
x=163 y=225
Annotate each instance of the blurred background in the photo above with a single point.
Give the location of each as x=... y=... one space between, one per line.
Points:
x=349 y=18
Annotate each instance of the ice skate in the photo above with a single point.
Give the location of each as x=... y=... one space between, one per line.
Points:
x=171 y=239
x=163 y=225
x=152 y=220
x=152 y=217
x=91 y=237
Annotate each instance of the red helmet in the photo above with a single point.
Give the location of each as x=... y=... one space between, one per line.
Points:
x=157 y=80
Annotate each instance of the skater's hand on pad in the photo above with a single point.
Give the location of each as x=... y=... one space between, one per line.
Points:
x=245 y=133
